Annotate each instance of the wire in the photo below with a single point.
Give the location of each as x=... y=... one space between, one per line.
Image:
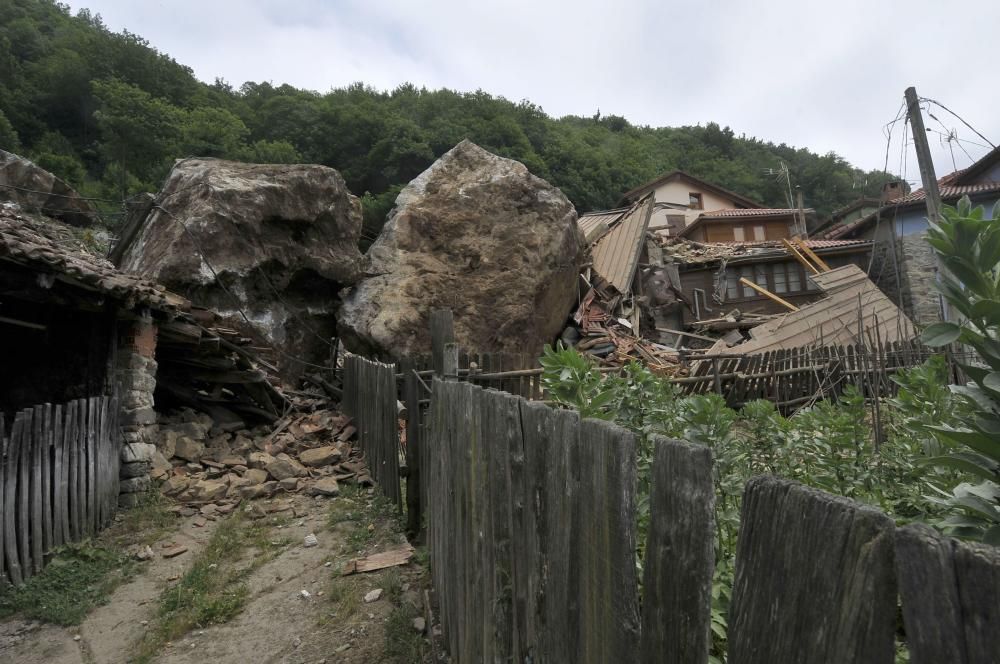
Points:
x=960 y=119
x=49 y=193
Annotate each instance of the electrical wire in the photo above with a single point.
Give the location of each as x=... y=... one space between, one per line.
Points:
x=960 y=119
x=49 y=193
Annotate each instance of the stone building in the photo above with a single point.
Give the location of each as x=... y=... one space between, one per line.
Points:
x=72 y=326
x=904 y=266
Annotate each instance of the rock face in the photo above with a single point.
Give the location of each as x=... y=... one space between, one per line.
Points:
x=35 y=189
x=281 y=239
x=480 y=235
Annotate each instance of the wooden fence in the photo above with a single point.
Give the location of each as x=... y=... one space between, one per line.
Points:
x=796 y=377
x=532 y=537
x=58 y=480
x=370 y=399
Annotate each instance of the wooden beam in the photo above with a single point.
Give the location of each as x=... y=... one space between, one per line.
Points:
x=812 y=254
x=799 y=257
x=766 y=293
x=22 y=323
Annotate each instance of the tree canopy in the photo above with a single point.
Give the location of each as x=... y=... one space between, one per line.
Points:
x=109 y=113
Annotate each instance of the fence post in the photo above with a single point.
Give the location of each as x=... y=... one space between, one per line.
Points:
x=442 y=324
x=411 y=400
x=814 y=579
x=680 y=562
x=449 y=362
x=949 y=593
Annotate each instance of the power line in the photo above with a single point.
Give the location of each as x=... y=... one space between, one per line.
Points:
x=960 y=119
x=50 y=193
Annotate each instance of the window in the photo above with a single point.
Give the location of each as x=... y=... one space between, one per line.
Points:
x=738 y=233
x=747 y=272
x=794 y=282
x=759 y=234
x=760 y=275
x=694 y=200
x=732 y=284
x=780 y=283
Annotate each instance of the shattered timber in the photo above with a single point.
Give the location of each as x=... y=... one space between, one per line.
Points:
x=230 y=343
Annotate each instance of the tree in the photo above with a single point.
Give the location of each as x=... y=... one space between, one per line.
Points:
x=9 y=140
x=212 y=132
x=140 y=132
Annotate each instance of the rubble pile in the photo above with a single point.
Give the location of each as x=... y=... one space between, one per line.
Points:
x=196 y=462
x=611 y=341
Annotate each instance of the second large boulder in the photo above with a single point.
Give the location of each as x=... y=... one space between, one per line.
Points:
x=480 y=235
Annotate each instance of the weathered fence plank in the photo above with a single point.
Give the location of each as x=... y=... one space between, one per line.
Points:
x=46 y=473
x=950 y=593
x=607 y=589
x=92 y=424
x=11 y=478
x=35 y=473
x=57 y=464
x=814 y=579
x=679 y=562
x=4 y=443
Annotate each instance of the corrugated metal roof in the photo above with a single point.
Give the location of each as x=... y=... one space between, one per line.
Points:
x=833 y=321
x=594 y=225
x=617 y=253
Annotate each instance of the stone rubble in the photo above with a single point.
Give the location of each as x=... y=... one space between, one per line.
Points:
x=200 y=465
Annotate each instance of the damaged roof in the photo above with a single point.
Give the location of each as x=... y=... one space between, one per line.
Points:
x=47 y=248
x=696 y=253
x=616 y=254
x=594 y=225
x=851 y=300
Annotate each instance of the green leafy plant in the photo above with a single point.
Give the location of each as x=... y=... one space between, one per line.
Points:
x=967 y=243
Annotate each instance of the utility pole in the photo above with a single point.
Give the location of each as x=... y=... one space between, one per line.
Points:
x=927 y=176
x=802 y=212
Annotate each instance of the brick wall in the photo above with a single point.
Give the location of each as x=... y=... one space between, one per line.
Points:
x=918 y=274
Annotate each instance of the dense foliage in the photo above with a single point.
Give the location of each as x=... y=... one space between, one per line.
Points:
x=829 y=446
x=967 y=244
x=109 y=113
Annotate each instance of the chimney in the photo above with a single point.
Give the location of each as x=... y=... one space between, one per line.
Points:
x=891 y=190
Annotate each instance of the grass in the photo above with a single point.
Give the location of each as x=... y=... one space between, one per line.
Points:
x=82 y=576
x=402 y=642
x=214 y=589
x=368 y=521
x=78 y=578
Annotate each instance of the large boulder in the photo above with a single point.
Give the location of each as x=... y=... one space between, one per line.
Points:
x=480 y=235
x=36 y=190
x=277 y=242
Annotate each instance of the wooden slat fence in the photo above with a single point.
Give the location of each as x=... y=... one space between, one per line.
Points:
x=58 y=480
x=532 y=533
x=370 y=399
x=796 y=377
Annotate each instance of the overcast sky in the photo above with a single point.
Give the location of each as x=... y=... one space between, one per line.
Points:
x=822 y=75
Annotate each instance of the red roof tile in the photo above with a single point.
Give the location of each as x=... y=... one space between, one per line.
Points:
x=748 y=212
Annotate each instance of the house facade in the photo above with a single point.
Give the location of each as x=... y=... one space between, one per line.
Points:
x=904 y=265
x=744 y=225
x=682 y=198
x=711 y=277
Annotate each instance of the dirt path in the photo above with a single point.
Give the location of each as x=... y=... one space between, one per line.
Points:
x=329 y=622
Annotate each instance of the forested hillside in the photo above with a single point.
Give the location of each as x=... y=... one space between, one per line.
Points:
x=109 y=114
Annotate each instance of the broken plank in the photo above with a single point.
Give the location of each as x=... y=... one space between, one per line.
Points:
x=377 y=561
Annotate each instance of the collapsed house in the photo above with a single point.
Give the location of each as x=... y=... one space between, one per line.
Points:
x=660 y=293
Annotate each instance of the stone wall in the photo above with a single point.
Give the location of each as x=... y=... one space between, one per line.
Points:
x=136 y=380
x=918 y=274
